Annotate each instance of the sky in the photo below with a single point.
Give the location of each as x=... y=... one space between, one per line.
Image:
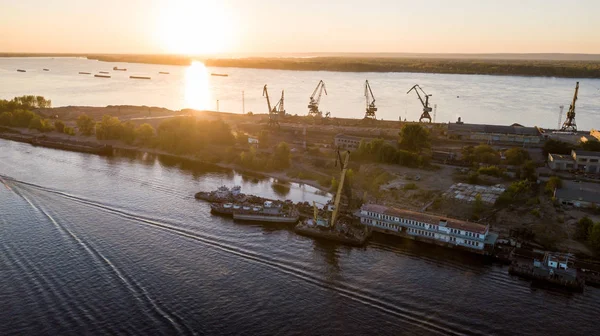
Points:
x=288 y=26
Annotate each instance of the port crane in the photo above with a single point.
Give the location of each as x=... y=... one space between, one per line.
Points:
x=313 y=105
x=426 y=107
x=338 y=196
x=569 y=124
x=276 y=111
x=370 y=98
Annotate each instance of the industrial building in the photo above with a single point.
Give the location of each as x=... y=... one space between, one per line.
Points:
x=495 y=134
x=429 y=228
x=351 y=142
x=348 y=142
x=580 y=198
x=579 y=160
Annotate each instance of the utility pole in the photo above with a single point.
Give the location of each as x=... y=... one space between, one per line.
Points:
x=217 y=105
x=243 y=104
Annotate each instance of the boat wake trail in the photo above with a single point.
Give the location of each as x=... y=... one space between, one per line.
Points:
x=414 y=317
x=140 y=293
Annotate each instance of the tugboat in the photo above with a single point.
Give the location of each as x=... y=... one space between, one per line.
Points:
x=222 y=195
x=336 y=229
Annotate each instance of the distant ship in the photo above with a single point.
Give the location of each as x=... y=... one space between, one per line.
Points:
x=140 y=77
x=84 y=73
x=102 y=76
x=21 y=70
x=219 y=75
x=163 y=72
x=103 y=72
x=119 y=69
x=46 y=69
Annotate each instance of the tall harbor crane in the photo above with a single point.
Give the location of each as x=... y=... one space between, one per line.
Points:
x=276 y=111
x=313 y=105
x=338 y=196
x=569 y=124
x=370 y=111
x=426 y=107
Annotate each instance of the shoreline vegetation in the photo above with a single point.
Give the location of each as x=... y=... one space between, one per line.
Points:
x=557 y=66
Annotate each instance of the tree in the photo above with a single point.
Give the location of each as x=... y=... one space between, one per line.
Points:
x=6 y=118
x=145 y=132
x=557 y=147
x=86 y=125
x=554 y=182
x=128 y=133
x=22 y=118
x=281 y=156
x=594 y=236
x=583 y=228
x=486 y=154
x=59 y=126
x=110 y=128
x=414 y=137
x=42 y=125
x=528 y=171
x=593 y=146
x=516 y=156
x=263 y=139
x=478 y=206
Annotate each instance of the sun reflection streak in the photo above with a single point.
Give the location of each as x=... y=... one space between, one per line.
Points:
x=197 y=87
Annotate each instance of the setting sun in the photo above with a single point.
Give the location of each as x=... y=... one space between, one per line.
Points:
x=195 y=27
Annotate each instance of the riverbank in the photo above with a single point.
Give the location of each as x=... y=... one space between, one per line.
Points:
x=534 y=68
x=537 y=65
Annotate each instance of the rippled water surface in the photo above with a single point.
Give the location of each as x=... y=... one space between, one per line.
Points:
x=119 y=245
x=531 y=101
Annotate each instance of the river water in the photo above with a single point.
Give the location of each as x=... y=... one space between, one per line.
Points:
x=118 y=245
x=503 y=100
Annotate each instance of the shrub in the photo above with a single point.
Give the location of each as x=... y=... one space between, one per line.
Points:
x=59 y=126
x=491 y=171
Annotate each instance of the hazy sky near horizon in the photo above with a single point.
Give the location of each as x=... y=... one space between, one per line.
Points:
x=255 y=26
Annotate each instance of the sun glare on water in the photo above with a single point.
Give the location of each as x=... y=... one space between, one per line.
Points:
x=197 y=87
x=195 y=27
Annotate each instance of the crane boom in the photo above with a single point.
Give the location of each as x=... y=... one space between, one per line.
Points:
x=266 y=94
x=338 y=195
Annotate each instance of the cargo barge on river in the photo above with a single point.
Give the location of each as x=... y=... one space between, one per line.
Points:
x=268 y=212
x=547 y=269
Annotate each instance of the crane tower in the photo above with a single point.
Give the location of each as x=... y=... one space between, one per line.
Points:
x=370 y=98
x=569 y=124
x=313 y=104
x=426 y=108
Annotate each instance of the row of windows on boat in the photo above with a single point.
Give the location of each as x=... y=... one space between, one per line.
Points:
x=416 y=223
